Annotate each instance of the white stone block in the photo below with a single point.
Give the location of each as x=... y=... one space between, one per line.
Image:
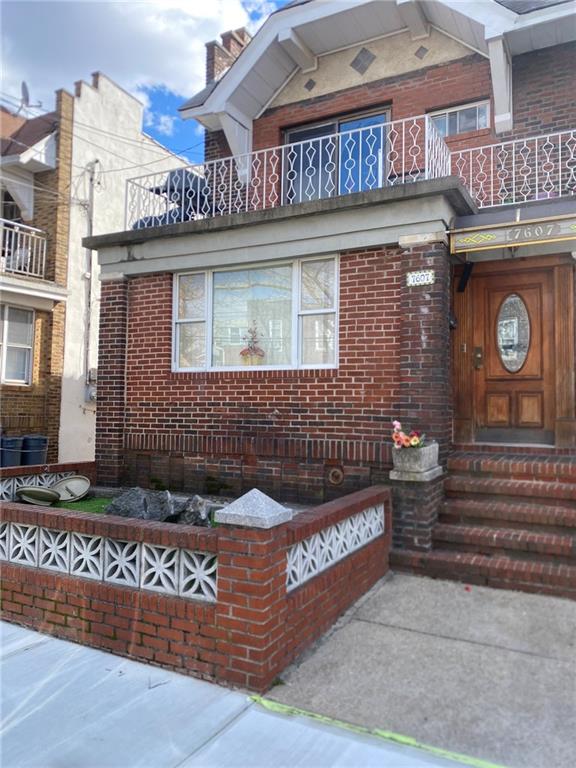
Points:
x=254 y=510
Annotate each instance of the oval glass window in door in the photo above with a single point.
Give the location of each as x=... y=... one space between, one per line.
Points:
x=513 y=333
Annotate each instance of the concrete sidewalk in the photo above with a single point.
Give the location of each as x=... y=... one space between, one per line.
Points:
x=480 y=671
x=67 y=706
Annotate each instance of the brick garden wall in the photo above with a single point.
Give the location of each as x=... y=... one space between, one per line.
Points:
x=282 y=431
x=246 y=637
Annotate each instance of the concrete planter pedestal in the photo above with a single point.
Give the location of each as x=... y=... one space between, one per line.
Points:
x=416 y=465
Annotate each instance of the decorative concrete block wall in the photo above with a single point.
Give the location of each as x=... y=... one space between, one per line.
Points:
x=236 y=603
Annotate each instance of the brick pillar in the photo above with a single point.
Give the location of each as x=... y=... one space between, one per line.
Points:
x=425 y=379
x=111 y=382
x=415 y=510
x=425 y=403
x=252 y=603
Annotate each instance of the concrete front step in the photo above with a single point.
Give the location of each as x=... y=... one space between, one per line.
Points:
x=550 y=492
x=509 y=514
x=531 y=545
x=494 y=571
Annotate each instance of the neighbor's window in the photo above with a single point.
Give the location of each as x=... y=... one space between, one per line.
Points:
x=471 y=117
x=16 y=339
x=277 y=316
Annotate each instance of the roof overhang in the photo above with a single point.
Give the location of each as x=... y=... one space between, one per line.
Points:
x=37 y=158
x=28 y=292
x=295 y=36
x=18 y=172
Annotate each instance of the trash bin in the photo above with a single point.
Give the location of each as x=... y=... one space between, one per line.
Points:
x=34 y=450
x=11 y=452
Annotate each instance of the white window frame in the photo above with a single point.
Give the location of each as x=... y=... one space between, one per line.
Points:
x=461 y=108
x=3 y=379
x=297 y=313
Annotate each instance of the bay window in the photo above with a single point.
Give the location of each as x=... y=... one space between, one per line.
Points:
x=16 y=340
x=281 y=315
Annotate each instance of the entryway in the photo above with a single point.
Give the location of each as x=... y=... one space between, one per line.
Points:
x=513 y=352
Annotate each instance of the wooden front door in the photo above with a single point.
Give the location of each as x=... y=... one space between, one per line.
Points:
x=513 y=357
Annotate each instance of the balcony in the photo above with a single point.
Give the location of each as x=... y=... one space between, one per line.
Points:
x=23 y=250
x=520 y=170
x=390 y=153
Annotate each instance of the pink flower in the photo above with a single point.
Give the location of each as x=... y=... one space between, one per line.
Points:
x=397 y=425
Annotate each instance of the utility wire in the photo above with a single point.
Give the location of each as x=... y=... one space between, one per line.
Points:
x=45 y=190
x=120 y=137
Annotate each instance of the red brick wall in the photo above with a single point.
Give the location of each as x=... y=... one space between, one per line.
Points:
x=247 y=637
x=282 y=431
x=414 y=93
x=544 y=91
x=111 y=381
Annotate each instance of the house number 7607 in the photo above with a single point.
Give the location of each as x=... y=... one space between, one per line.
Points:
x=425 y=277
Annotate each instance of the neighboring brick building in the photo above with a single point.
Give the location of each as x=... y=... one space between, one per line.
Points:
x=59 y=183
x=385 y=186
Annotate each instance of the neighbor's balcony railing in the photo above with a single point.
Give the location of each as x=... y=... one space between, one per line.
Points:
x=23 y=249
x=397 y=152
x=519 y=170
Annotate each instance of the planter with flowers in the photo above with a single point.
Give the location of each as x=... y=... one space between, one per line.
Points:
x=414 y=458
x=252 y=354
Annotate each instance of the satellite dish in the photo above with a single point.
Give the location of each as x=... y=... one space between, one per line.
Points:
x=25 y=99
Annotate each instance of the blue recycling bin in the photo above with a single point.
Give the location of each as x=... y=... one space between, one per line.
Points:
x=11 y=451
x=34 y=450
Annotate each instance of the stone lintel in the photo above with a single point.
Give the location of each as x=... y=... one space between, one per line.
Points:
x=424 y=238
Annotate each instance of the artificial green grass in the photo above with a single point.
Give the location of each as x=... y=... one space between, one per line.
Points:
x=95 y=504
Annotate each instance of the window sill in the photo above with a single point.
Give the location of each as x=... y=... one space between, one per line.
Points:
x=9 y=385
x=257 y=372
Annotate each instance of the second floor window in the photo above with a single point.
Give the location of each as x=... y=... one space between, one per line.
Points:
x=16 y=340
x=471 y=117
x=280 y=315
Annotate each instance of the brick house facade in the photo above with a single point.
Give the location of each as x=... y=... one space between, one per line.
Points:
x=403 y=350
x=35 y=407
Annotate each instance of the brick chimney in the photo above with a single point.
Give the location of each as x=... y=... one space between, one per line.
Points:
x=221 y=55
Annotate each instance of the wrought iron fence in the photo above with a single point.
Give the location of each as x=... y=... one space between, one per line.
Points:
x=396 y=152
x=23 y=249
x=519 y=170
x=390 y=153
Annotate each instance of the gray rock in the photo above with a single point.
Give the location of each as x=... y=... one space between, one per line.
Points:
x=143 y=505
x=196 y=511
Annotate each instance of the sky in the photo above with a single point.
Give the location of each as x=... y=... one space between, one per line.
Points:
x=152 y=48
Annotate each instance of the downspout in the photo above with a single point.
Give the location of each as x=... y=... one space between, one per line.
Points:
x=89 y=379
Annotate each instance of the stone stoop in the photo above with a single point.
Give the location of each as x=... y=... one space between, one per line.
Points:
x=508 y=521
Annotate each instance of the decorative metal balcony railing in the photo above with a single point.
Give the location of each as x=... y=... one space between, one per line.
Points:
x=519 y=170
x=23 y=249
x=397 y=152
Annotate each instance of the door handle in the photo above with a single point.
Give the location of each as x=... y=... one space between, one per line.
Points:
x=478 y=358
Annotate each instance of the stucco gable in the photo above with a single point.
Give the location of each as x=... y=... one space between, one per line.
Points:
x=394 y=55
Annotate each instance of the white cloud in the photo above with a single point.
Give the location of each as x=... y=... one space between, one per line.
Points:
x=165 y=124
x=139 y=44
